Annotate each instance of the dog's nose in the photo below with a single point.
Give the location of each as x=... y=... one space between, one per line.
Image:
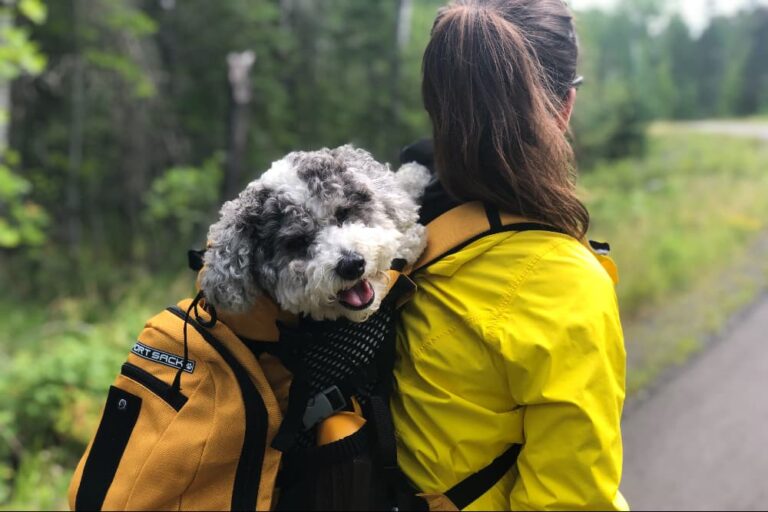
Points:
x=351 y=266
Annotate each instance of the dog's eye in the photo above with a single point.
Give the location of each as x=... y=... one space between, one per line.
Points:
x=297 y=243
x=342 y=214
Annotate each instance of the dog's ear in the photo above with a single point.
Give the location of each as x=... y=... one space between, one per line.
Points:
x=360 y=160
x=413 y=179
x=227 y=278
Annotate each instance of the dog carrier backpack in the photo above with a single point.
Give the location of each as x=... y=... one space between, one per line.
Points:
x=262 y=410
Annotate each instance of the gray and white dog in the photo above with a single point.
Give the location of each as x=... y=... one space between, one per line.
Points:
x=317 y=233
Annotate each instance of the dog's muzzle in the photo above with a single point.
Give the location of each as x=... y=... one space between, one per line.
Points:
x=351 y=266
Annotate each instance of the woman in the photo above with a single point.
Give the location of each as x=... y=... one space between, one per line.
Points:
x=515 y=339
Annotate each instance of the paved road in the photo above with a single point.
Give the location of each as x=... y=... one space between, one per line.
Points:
x=750 y=130
x=701 y=442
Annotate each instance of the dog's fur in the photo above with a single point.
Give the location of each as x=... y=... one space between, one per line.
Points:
x=286 y=233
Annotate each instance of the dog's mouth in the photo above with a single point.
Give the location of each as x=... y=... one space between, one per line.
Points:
x=358 y=297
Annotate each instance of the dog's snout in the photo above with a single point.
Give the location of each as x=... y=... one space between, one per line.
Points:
x=351 y=266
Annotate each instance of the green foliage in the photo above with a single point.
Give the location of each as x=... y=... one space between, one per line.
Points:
x=643 y=64
x=185 y=196
x=611 y=113
x=18 y=53
x=22 y=222
x=51 y=394
x=133 y=26
x=124 y=67
x=608 y=124
x=41 y=483
x=125 y=17
x=34 y=10
x=136 y=87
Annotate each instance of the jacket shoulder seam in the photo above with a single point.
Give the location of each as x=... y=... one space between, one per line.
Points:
x=509 y=298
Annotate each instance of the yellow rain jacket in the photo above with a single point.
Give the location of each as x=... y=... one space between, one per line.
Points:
x=514 y=339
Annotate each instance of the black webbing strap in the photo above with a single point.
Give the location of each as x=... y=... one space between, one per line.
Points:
x=401 y=493
x=378 y=411
x=381 y=419
x=497 y=225
x=298 y=396
x=474 y=486
x=494 y=217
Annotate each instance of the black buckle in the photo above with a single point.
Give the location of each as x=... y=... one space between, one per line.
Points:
x=322 y=406
x=195 y=259
x=601 y=248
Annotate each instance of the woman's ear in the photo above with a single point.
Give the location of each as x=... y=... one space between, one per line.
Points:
x=567 y=109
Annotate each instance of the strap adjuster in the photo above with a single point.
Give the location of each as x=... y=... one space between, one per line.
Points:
x=601 y=248
x=323 y=405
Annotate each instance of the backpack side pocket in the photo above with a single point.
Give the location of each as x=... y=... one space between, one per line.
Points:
x=158 y=387
x=117 y=423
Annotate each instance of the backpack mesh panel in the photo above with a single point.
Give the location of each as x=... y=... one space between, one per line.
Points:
x=339 y=349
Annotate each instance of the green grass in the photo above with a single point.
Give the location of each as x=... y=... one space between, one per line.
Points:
x=683 y=224
x=679 y=213
x=662 y=337
x=688 y=230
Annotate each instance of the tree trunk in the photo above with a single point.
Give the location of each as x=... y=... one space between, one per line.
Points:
x=402 y=38
x=141 y=151
x=239 y=67
x=404 y=22
x=75 y=159
x=286 y=11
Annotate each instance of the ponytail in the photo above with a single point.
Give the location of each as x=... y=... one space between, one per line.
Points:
x=496 y=74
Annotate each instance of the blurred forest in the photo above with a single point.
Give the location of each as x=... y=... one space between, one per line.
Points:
x=129 y=121
x=126 y=123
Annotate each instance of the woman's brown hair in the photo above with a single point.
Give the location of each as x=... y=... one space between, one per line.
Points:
x=496 y=77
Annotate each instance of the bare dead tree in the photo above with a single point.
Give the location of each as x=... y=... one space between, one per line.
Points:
x=404 y=22
x=402 y=38
x=239 y=66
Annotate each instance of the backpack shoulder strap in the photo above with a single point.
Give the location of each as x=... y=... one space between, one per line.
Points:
x=471 y=488
x=469 y=222
x=459 y=227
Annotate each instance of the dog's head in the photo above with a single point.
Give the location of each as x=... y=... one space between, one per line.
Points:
x=316 y=232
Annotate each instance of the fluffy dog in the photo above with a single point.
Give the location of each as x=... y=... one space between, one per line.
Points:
x=316 y=233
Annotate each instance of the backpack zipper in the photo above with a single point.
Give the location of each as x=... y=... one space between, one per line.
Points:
x=155 y=385
x=248 y=475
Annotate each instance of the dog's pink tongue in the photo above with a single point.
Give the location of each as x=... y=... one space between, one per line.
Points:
x=359 y=295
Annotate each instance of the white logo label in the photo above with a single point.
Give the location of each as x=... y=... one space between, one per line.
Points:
x=158 y=356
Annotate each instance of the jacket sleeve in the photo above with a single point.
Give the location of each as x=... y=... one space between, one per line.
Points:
x=563 y=346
